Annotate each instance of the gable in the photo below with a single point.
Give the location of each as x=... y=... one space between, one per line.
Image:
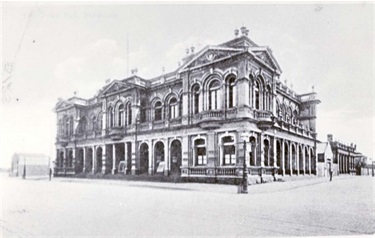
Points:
x=267 y=58
x=211 y=55
x=62 y=105
x=114 y=87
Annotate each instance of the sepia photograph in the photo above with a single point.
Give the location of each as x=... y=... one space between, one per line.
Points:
x=187 y=119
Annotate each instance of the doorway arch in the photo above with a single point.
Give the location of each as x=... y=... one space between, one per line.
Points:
x=176 y=154
x=143 y=158
x=158 y=154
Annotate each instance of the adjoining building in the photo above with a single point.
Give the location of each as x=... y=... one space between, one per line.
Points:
x=193 y=122
x=345 y=156
x=25 y=164
x=326 y=160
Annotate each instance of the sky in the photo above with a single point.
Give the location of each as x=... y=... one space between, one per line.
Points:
x=51 y=50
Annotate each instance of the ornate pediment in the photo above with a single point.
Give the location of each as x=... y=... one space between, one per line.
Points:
x=265 y=56
x=211 y=55
x=62 y=105
x=114 y=87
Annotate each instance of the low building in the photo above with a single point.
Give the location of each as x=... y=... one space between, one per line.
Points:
x=346 y=156
x=195 y=121
x=24 y=164
x=326 y=160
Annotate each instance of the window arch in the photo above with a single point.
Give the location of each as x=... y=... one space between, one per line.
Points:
x=257 y=94
x=128 y=113
x=158 y=109
x=196 y=100
x=143 y=111
x=82 y=125
x=289 y=115
x=120 y=115
x=253 y=154
x=173 y=108
x=200 y=152
x=99 y=122
x=230 y=95
x=214 y=95
x=111 y=117
x=180 y=106
x=267 y=98
x=229 y=150
x=295 y=117
x=71 y=126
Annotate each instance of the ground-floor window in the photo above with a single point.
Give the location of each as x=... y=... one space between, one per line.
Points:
x=229 y=150
x=200 y=152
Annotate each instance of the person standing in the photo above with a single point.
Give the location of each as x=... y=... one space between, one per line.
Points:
x=330 y=172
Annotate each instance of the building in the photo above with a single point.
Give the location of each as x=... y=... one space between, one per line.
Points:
x=30 y=165
x=345 y=156
x=326 y=160
x=193 y=122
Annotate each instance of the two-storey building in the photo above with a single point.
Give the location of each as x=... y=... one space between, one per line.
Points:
x=193 y=121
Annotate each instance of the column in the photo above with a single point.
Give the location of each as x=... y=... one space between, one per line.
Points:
x=283 y=156
x=166 y=157
x=274 y=149
x=113 y=158
x=133 y=158
x=84 y=159
x=290 y=159
x=185 y=154
x=104 y=156
x=262 y=152
x=309 y=161
x=65 y=152
x=93 y=159
x=304 y=160
x=297 y=159
x=74 y=158
x=150 y=153
x=126 y=171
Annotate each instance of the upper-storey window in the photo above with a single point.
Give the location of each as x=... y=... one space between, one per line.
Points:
x=128 y=113
x=65 y=126
x=173 y=108
x=143 y=111
x=257 y=95
x=100 y=122
x=214 y=95
x=196 y=92
x=82 y=125
x=230 y=92
x=158 y=109
x=71 y=126
x=93 y=123
x=111 y=117
x=121 y=112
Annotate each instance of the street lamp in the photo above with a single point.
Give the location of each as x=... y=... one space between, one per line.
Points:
x=244 y=137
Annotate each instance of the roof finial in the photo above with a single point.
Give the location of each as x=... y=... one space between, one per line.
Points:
x=313 y=87
x=163 y=69
x=187 y=51
x=192 y=49
x=236 y=31
x=134 y=71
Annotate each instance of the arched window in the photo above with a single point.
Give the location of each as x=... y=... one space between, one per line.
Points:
x=173 y=108
x=180 y=107
x=229 y=150
x=196 y=91
x=289 y=115
x=65 y=126
x=121 y=112
x=82 y=125
x=253 y=153
x=214 y=95
x=93 y=123
x=128 y=113
x=158 y=108
x=295 y=117
x=111 y=117
x=230 y=92
x=100 y=122
x=267 y=99
x=200 y=152
x=257 y=95
x=282 y=111
x=266 y=151
x=143 y=111
x=71 y=126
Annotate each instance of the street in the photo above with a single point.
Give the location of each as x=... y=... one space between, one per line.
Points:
x=67 y=207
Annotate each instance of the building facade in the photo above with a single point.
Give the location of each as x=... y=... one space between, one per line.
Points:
x=194 y=122
x=345 y=156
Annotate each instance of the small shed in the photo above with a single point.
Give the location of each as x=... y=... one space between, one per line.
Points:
x=326 y=160
x=30 y=164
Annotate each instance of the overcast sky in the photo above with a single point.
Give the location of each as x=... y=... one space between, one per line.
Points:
x=51 y=50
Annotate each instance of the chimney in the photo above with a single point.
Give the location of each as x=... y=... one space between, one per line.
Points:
x=236 y=31
x=329 y=138
x=192 y=49
x=243 y=30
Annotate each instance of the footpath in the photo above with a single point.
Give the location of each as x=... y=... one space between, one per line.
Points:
x=206 y=187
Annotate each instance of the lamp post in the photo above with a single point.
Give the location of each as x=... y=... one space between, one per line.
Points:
x=244 y=174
